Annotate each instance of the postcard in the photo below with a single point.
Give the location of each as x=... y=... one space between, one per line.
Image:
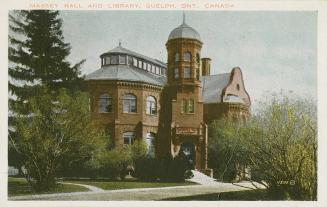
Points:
x=157 y=103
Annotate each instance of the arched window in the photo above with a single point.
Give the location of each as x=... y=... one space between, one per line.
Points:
x=176 y=57
x=149 y=140
x=128 y=138
x=151 y=105
x=187 y=56
x=129 y=103
x=105 y=103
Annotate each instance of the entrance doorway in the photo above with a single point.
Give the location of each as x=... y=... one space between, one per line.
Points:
x=188 y=149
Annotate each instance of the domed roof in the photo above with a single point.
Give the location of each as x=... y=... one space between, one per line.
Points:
x=184 y=31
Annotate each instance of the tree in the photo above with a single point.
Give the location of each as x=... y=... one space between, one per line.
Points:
x=55 y=134
x=281 y=144
x=37 y=58
x=224 y=149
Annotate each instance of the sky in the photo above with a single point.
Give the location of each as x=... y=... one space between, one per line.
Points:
x=275 y=50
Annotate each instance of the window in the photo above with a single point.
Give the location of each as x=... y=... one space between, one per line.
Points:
x=149 y=140
x=184 y=106
x=177 y=57
x=191 y=106
x=105 y=103
x=134 y=62
x=107 y=60
x=176 y=73
x=187 y=56
x=187 y=106
x=130 y=60
x=114 y=59
x=148 y=67
x=122 y=59
x=197 y=74
x=128 y=138
x=187 y=72
x=151 y=105
x=129 y=103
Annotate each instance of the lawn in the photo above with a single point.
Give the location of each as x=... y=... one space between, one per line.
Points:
x=19 y=186
x=247 y=195
x=114 y=185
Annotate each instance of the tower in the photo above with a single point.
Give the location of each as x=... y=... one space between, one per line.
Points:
x=188 y=133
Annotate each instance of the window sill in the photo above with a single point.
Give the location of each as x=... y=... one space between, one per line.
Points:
x=133 y=113
x=152 y=115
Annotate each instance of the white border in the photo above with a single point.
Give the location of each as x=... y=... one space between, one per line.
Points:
x=320 y=6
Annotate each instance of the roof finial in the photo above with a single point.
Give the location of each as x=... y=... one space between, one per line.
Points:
x=183 y=17
x=119 y=42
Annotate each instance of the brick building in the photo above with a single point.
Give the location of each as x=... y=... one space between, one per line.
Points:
x=168 y=105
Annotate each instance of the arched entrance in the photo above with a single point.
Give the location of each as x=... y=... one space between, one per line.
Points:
x=188 y=149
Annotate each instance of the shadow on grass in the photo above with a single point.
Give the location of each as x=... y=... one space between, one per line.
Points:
x=248 y=195
x=19 y=186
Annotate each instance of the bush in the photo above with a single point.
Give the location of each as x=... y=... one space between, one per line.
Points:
x=114 y=163
x=167 y=169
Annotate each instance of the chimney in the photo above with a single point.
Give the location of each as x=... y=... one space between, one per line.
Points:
x=205 y=66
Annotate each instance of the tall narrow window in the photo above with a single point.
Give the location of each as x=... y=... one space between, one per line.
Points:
x=128 y=138
x=197 y=74
x=148 y=67
x=105 y=103
x=134 y=62
x=140 y=64
x=176 y=73
x=130 y=60
x=151 y=105
x=107 y=60
x=150 y=143
x=191 y=106
x=184 y=106
x=122 y=59
x=187 y=56
x=176 y=57
x=129 y=103
x=187 y=72
x=114 y=59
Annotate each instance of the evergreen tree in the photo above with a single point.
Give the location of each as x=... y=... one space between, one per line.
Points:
x=37 y=58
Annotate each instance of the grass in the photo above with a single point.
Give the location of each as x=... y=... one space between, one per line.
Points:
x=248 y=195
x=127 y=184
x=19 y=186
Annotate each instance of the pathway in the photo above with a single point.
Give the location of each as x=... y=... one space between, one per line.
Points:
x=207 y=185
x=90 y=187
